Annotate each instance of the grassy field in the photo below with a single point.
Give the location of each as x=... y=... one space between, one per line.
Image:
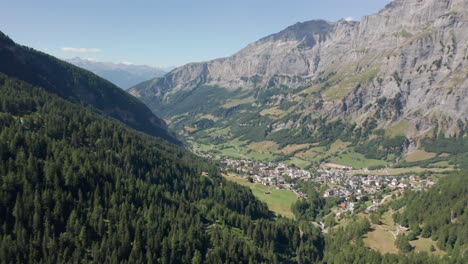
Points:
x=261 y=156
x=202 y=147
x=237 y=102
x=313 y=154
x=382 y=238
x=356 y=160
x=173 y=118
x=419 y=155
x=399 y=129
x=261 y=151
x=274 y=112
x=387 y=218
x=400 y=171
x=298 y=162
x=264 y=147
x=232 y=152
x=213 y=132
x=278 y=201
x=210 y=117
x=340 y=154
x=441 y=164
x=304 y=154
x=424 y=245
x=289 y=149
x=346 y=221
x=190 y=129
x=338 y=146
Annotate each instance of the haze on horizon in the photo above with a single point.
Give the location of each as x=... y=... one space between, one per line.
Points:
x=162 y=33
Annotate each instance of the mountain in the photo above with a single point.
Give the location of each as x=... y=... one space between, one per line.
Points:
x=79 y=187
x=402 y=70
x=121 y=74
x=78 y=85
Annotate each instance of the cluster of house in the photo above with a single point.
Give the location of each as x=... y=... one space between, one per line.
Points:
x=270 y=174
x=342 y=181
x=344 y=184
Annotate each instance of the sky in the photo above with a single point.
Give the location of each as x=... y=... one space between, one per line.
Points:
x=161 y=33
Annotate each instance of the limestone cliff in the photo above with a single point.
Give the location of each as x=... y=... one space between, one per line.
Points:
x=408 y=62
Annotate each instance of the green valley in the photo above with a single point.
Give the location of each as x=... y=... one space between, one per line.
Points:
x=326 y=142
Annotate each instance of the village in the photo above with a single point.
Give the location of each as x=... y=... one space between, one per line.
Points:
x=269 y=174
x=352 y=186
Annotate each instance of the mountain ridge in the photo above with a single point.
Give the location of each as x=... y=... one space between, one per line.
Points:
x=407 y=53
x=121 y=74
x=79 y=86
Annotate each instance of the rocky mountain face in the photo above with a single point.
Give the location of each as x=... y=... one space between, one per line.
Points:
x=407 y=64
x=121 y=74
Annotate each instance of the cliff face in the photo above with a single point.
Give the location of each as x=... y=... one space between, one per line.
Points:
x=407 y=62
x=283 y=57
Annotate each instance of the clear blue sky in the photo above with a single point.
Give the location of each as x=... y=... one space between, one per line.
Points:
x=171 y=32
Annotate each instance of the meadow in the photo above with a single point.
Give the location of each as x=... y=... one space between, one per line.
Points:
x=278 y=201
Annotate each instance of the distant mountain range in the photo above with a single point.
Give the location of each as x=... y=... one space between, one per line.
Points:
x=123 y=75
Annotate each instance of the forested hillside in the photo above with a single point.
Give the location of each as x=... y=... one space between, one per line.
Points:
x=77 y=85
x=77 y=187
x=441 y=214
